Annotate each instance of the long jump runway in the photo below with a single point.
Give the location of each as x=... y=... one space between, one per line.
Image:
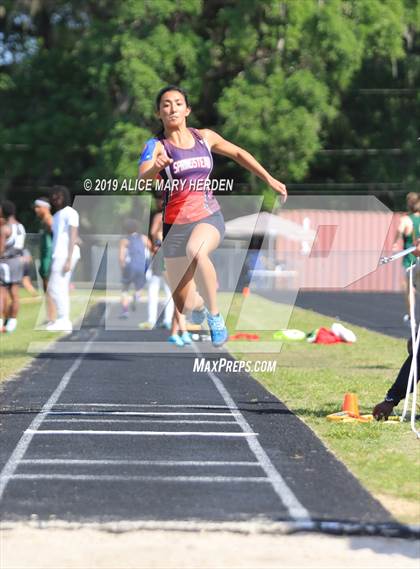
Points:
x=94 y=437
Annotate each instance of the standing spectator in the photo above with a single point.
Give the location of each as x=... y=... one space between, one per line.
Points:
x=157 y=279
x=12 y=240
x=132 y=258
x=42 y=208
x=65 y=254
x=409 y=231
x=397 y=391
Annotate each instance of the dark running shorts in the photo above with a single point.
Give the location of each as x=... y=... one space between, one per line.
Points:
x=11 y=271
x=175 y=242
x=132 y=275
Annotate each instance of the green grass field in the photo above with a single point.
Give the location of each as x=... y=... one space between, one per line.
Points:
x=311 y=380
x=14 y=347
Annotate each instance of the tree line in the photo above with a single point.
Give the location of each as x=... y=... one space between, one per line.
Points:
x=325 y=93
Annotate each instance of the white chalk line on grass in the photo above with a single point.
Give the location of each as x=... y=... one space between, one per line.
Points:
x=20 y=449
x=117 y=462
x=127 y=478
x=139 y=433
x=296 y=510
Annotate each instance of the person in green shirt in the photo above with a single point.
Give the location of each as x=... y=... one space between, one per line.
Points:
x=42 y=208
x=409 y=231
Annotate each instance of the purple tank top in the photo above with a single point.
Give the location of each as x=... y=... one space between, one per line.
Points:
x=189 y=199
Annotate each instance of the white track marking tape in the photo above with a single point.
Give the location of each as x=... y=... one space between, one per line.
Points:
x=289 y=500
x=121 y=478
x=140 y=433
x=110 y=462
x=140 y=413
x=154 y=405
x=20 y=449
x=162 y=421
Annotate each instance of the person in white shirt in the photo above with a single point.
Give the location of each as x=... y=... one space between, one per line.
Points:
x=65 y=254
x=12 y=242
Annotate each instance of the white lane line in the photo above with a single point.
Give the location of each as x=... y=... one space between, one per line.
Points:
x=25 y=440
x=296 y=510
x=140 y=433
x=162 y=421
x=110 y=462
x=139 y=414
x=124 y=478
x=140 y=405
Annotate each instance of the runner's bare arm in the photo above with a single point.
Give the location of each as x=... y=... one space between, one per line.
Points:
x=405 y=227
x=122 y=251
x=221 y=146
x=416 y=252
x=3 y=238
x=150 y=167
x=48 y=221
x=147 y=243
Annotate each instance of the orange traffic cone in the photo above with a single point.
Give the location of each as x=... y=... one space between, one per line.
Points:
x=246 y=291
x=351 y=404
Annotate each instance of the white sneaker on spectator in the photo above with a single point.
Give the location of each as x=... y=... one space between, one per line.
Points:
x=60 y=325
x=11 y=325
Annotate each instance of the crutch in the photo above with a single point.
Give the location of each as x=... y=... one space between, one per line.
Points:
x=415 y=342
x=395 y=256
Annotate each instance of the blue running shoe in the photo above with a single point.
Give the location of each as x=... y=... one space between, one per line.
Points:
x=198 y=316
x=218 y=330
x=177 y=340
x=186 y=338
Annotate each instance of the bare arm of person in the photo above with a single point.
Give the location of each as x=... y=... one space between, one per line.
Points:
x=48 y=222
x=405 y=227
x=73 y=239
x=147 y=242
x=122 y=252
x=149 y=168
x=4 y=234
x=219 y=145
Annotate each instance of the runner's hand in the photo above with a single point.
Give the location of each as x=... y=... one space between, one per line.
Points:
x=162 y=161
x=279 y=187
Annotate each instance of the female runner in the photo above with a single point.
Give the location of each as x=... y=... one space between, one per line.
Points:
x=193 y=224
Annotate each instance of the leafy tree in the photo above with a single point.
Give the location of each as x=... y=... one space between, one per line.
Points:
x=289 y=80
